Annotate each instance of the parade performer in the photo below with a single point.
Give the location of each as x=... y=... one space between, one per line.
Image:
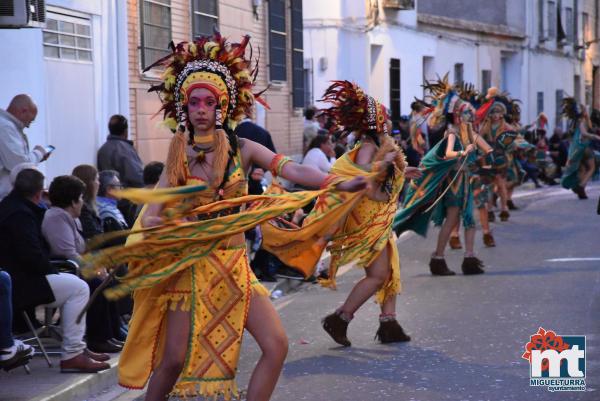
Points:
x=581 y=162
x=481 y=182
x=491 y=119
x=194 y=292
x=444 y=191
x=363 y=233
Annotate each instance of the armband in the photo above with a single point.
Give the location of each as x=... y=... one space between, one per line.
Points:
x=276 y=166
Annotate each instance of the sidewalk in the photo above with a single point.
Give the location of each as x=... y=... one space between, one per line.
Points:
x=48 y=384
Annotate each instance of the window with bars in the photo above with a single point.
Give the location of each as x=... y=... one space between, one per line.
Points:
x=541 y=33
x=205 y=15
x=585 y=26
x=559 y=98
x=551 y=20
x=597 y=19
x=569 y=24
x=395 y=105
x=155 y=24
x=459 y=71
x=68 y=38
x=277 y=41
x=577 y=88
x=486 y=80
x=297 y=55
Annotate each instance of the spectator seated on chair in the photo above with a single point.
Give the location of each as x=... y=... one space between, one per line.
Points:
x=62 y=230
x=111 y=216
x=92 y=225
x=13 y=353
x=24 y=254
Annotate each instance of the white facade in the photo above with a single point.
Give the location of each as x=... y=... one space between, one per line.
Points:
x=341 y=41
x=75 y=95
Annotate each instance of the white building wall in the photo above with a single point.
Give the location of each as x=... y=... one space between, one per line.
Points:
x=22 y=71
x=359 y=52
x=81 y=99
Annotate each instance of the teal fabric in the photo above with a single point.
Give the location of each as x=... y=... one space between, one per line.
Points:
x=577 y=149
x=423 y=192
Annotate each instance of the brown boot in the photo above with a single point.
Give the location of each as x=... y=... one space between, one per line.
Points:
x=96 y=356
x=455 y=242
x=472 y=265
x=504 y=215
x=488 y=240
x=337 y=328
x=580 y=191
x=491 y=216
x=82 y=364
x=438 y=267
x=391 y=332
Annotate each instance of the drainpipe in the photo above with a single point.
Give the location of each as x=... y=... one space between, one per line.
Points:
x=122 y=61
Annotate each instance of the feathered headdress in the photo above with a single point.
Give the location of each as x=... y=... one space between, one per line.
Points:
x=571 y=109
x=211 y=63
x=221 y=67
x=353 y=109
x=448 y=99
x=495 y=98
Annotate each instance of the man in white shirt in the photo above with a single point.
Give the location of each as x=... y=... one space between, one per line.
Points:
x=14 y=145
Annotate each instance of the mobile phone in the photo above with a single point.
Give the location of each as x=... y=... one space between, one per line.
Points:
x=49 y=149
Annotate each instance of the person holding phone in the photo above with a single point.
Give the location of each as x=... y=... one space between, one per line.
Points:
x=14 y=145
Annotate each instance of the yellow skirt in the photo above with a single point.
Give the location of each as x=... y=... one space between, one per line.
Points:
x=216 y=291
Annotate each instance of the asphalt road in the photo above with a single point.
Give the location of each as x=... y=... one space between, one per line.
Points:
x=468 y=332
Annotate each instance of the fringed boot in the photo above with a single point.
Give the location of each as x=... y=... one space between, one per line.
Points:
x=438 y=267
x=472 y=265
x=390 y=330
x=336 y=325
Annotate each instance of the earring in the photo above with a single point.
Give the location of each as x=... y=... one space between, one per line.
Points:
x=219 y=119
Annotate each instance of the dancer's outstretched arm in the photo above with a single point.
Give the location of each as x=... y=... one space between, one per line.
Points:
x=255 y=153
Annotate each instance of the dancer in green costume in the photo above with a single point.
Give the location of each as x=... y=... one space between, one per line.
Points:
x=444 y=192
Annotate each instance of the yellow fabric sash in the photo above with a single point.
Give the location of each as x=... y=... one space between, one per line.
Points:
x=355 y=227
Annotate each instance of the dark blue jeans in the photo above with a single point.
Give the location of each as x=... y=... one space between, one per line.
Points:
x=6 y=339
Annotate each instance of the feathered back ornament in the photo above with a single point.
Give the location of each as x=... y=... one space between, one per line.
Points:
x=353 y=109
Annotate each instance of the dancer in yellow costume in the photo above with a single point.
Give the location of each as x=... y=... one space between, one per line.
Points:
x=363 y=233
x=194 y=292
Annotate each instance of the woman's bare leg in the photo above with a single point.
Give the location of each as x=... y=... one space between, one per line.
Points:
x=502 y=192
x=455 y=230
x=483 y=219
x=470 y=241
x=388 y=307
x=265 y=326
x=587 y=172
x=444 y=235
x=165 y=375
x=376 y=275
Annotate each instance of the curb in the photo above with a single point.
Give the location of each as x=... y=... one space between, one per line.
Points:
x=82 y=387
